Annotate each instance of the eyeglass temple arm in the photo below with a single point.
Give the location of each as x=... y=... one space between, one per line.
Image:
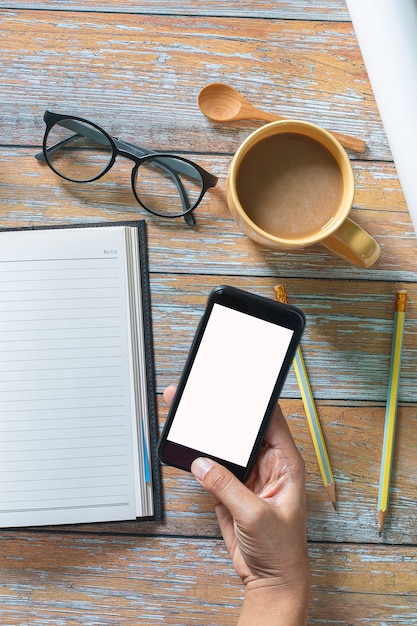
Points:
x=91 y=133
x=188 y=216
x=98 y=138
x=84 y=130
x=170 y=165
x=178 y=166
x=81 y=130
x=175 y=166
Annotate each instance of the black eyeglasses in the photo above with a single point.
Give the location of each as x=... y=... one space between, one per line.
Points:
x=164 y=184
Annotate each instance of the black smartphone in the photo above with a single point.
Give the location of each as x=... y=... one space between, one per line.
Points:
x=237 y=365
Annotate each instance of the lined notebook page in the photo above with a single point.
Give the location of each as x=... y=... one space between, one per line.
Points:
x=68 y=434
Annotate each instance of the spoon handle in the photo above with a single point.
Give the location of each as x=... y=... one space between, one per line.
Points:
x=259 y=114
x=347 y=141
x=352 y=143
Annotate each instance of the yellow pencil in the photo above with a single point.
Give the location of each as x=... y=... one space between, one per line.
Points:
x=311 y=413
x=391 y=408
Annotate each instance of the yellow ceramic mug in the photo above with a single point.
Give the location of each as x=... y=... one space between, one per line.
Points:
x=291 y=185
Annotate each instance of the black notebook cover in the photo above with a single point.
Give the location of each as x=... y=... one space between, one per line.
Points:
x=148 y=343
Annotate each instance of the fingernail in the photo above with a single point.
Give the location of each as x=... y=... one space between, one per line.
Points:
x=200 y=467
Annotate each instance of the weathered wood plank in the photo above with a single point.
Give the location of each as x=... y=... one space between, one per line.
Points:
x=216 y=246
x=145 y=72
x=136 y=68
x=354 y=439
x=347 y=341
x=64 y=579
x=283 y=9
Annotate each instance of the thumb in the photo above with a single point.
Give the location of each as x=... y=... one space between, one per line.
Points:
x=223 y=485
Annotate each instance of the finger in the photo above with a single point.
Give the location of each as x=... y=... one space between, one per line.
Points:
x=279 y=457
x=169 y=393
x=278 y=433
x=224 y=487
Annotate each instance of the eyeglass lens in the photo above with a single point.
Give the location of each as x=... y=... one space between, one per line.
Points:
x=165 y=185
x=161 y=186
x=77 y=156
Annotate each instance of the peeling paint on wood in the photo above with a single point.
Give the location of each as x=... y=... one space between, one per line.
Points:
x=136 y=69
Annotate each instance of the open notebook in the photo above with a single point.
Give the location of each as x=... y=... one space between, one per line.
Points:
x=77 y=405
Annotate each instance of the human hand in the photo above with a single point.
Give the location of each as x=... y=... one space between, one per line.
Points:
x=263 y=524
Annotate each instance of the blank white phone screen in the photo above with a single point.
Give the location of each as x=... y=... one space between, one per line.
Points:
x=230 y=385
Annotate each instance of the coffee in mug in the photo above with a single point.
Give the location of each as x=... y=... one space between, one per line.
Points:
x=291 y=185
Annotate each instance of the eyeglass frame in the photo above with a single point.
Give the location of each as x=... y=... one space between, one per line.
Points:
x=135 y=153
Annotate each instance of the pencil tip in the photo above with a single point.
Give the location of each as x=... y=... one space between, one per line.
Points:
x=381 y=520
x=332 y=494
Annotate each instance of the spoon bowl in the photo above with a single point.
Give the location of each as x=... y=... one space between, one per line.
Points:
x=222 y=103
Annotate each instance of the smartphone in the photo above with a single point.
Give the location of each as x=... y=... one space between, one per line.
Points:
x=234 y=373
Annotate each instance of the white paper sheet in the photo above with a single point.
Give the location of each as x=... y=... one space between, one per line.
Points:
x=387 y=35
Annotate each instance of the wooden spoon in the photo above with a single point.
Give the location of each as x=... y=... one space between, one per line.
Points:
x=222 y=103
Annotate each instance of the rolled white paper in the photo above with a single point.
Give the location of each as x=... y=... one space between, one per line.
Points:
x=387 y=36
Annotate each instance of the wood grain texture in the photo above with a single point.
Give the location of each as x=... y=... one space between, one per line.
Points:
x=354 y=438
x=283 y=9
x=354 y=320
x=216 y=246
x=145 y=72
x=136 y=68
x=64 y=579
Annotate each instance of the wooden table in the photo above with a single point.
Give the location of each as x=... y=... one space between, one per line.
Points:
x=136 y=68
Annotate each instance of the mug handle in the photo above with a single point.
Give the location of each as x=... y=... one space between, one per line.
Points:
x=353 y=244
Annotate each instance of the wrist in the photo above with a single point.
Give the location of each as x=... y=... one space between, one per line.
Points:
x=272 y=603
